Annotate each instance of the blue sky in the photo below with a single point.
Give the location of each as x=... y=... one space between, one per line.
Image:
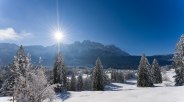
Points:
x=136 y=26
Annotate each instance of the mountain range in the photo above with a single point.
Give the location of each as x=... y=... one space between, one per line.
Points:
x=81 y=54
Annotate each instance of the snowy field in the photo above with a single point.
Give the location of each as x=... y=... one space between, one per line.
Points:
x=128 y=92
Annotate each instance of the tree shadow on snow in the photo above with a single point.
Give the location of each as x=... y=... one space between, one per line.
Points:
x=65 y=95
x=129 y=83
x=113 y=87
x=127 y=89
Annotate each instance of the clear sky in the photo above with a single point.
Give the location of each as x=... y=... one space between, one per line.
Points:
x=136 y=26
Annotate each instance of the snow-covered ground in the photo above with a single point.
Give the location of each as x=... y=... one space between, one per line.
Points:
x=5 y=99
x=128 y=92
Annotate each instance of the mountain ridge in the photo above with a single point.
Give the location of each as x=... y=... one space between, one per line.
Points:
x=80 y=54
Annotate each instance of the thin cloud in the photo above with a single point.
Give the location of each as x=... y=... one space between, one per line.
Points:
x=11 y=34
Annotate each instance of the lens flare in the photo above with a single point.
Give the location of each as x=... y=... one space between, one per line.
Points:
x=59 y=36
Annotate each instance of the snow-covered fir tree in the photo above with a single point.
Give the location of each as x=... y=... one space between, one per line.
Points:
x=156 y=72
x=179 y=62
x=120 y=77
x=98 y=76
x=29 y=84
x=179 y=77
x=68 y=80
x=87 y=83
x=59 y=73
x=7 y=86
x=39 y=88
x=144 y=75
x=7 y=81
x=80 y=82
x=107 y=79
x=21 y=69
x=117 y=76
x=113 y=75
x=4 y=74
x=73 y=82
x=17 y=68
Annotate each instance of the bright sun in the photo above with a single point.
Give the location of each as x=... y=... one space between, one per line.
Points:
x=58 y=36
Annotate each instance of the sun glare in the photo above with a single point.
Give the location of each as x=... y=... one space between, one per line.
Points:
x=59 y=36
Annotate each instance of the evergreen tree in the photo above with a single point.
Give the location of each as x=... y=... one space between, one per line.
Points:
x=59 y=73
x=120 y=77
x=17 y=68
x=179 y=77
x=73 y=83
x=30 y=83
x=113 y=75
x=179 y=62
x=87 y=83
x=98 y=78
x=21 y=69
x=39 y=88
x=117 y=76
x=80 y=83
x=7 y=86
x=107 y=79
x=144 y=75
x=156 y=73
x=27 y=84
